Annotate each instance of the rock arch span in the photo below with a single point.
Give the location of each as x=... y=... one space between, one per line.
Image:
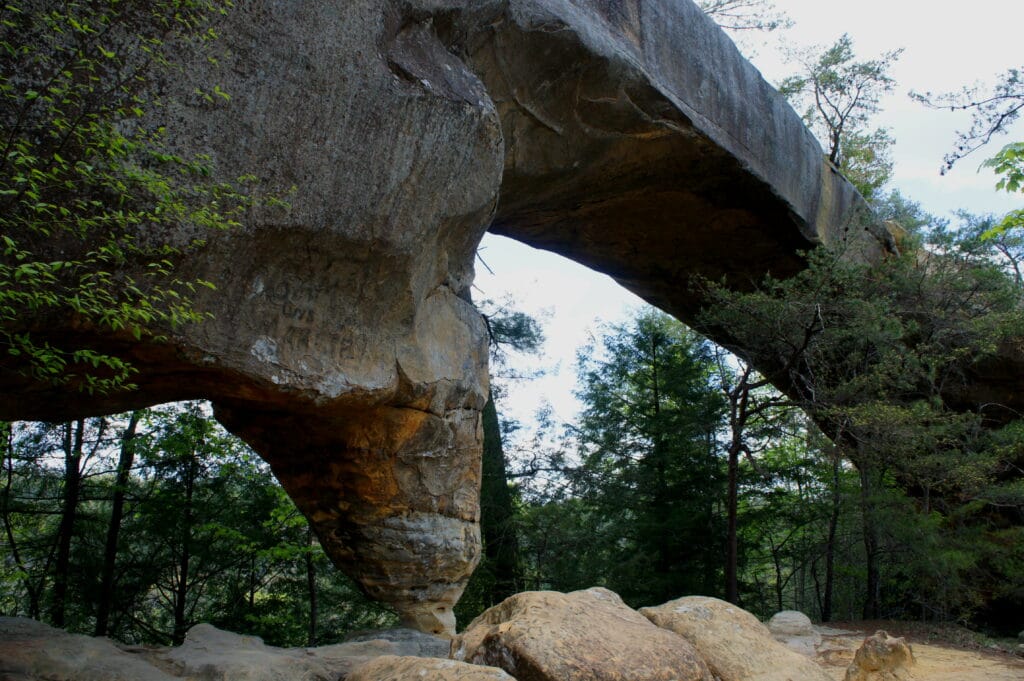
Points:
x=629 y=135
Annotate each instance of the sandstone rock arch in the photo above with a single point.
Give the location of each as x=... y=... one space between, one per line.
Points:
x=626 y=134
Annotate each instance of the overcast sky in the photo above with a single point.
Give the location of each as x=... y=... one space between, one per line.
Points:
x=946 y=46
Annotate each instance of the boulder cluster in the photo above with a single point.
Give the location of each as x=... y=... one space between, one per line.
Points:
x=588 y=635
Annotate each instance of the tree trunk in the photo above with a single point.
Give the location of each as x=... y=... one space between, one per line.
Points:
x=739 y=402
x=124 y=467
x=779 y=584
x=732 y=544
x=497 y=514
x=311 y=589
x=181 y=588
x=7 y=460
x=871 y=545
x=69 y=510
x=830 y=543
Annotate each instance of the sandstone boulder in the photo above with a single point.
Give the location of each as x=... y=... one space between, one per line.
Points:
x=734 y=643
x=881 y=658
x=32 y=651
x=393 y=668
x=586 y=635
x=795 y=630
x=211 y=653
x=217 y=655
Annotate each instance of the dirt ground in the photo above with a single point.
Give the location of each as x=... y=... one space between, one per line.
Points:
x=941 y=655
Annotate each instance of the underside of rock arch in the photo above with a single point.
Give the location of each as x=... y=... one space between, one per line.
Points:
x=628 y=135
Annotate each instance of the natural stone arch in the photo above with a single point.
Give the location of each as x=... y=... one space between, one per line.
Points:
x=628 y=135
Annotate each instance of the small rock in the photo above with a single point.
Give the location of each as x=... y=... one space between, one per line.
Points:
x=395 y=668
x=790 y=623
x=794 y=629
x=881 y=658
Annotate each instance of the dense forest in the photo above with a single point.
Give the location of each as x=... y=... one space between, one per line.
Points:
x=856 y=493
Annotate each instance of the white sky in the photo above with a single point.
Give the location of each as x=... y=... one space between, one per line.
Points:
x=946 y=45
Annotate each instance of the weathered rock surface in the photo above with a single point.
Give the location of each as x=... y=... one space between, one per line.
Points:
x=584 y=635
x=343 y=345
x=31 y=651
x=795 y=630
x=404 y=642
x=735 y=645
x=391 y=668
x=210 y=654
x=641 y=143
x=882 y=658
x=630 y=136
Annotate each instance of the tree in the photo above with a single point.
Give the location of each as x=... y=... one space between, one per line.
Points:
x=499 y=574
x=89 y=187
x=1008 y=164
x=993 y=112
x=745 y=15
x=125 y=462
x=873 y=354
x=839 y=95
x=751 y=406
x=650 y=476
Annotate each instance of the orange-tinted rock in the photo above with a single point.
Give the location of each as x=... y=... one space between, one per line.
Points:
x=882 y=658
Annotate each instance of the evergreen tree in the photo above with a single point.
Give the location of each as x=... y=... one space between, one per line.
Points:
x=651 y=478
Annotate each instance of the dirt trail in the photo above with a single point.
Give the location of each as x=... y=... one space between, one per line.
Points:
x=935 y=661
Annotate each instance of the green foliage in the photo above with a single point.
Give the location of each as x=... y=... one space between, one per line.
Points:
x=839 y=95
x=649 y=478
x=867 y=161
x=1008 y=164
x=194 y=490
x=875 y=355
x=745 y=15
x=993 y=111
x=90 y=188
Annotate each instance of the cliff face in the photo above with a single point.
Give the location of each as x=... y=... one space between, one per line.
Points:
x=630 y=136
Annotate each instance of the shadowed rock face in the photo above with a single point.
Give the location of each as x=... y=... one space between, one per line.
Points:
x=343 y=345
x=627 y=135
x=639 y=142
